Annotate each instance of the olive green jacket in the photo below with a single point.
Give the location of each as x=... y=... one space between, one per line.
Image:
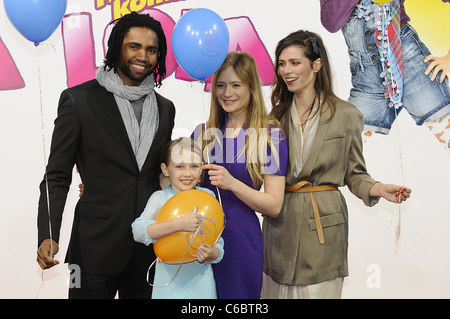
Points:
x=292 y=252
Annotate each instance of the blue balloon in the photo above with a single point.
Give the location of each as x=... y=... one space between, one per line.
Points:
x=200 y=42
x=36 y=20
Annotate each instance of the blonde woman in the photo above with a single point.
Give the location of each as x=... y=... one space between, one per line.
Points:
x=243 y=149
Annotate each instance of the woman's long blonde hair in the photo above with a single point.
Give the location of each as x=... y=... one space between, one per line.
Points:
x=257 y=119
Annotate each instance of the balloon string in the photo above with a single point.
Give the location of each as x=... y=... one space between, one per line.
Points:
x=207 y=147
x=398 y=227
x=209 y=162
x=38 y=62
x=398 y=209
x=179 y=266
x=42 y=285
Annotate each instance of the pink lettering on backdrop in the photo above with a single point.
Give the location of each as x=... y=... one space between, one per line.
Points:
x=79 y=45
x=244 y=37
x=10 y=78
x=79 y=48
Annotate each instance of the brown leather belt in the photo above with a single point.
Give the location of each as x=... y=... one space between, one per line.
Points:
x=302 y=187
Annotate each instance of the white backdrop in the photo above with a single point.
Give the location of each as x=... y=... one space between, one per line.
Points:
x=418 y=266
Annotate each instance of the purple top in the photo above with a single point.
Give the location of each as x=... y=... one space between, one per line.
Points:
x=334 y=14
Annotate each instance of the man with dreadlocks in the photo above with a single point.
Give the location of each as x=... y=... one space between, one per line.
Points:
x=113 y=128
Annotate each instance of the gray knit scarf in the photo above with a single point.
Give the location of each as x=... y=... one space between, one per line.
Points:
x=140 y=134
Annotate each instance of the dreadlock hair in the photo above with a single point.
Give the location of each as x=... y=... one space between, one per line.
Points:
x=119 y=32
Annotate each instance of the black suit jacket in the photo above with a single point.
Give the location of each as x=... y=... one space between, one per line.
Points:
x=90 y=133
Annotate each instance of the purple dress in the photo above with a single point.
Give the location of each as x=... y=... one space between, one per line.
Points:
x=239 y=274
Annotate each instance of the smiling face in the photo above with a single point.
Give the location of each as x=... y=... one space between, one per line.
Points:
x=139 y=55
x=232 y=94
x=296 y=69
x=184 y=169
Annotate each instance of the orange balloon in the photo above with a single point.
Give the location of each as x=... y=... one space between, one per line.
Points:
x=181 y=247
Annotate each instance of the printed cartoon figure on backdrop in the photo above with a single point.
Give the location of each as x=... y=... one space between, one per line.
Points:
x=391 y=68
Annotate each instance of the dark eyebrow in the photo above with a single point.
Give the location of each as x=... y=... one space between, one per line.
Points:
x=140 y=45
x=133 y=43
x=292 y=59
